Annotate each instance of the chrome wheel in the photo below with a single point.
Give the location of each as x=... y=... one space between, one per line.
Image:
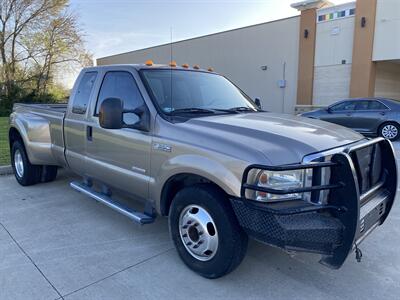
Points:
x=389 y=131
x=18 y=163
x=198 y=232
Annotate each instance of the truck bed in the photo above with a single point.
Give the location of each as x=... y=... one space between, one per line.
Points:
x=42 y=126
x=59 y=107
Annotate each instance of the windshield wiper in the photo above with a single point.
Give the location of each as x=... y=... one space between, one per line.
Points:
x=241 y=108
x=192 y=110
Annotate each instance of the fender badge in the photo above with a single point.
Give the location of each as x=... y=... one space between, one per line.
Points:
x=162 y=147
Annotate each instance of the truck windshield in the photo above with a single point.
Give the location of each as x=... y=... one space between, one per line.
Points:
x=194 y=92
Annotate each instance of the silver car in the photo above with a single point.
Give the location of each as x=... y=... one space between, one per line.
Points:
x=369 y=116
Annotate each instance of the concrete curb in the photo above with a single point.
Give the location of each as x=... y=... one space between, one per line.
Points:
x=6 y=170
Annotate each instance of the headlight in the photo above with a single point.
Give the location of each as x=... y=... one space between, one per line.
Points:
x=280 y=180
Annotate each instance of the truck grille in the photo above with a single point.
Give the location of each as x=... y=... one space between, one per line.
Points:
x=368 y=164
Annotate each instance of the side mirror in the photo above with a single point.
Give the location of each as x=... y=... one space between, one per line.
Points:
x=111 y=113
x=257 y=101
x=329 y=110
x=144 y=118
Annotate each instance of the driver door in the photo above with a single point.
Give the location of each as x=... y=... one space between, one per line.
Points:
x=120 y=157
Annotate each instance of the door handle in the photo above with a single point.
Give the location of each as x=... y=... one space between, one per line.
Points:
x=348 y=114
x=382 y=113
x=89 y=133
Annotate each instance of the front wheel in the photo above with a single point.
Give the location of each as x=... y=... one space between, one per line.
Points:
x=389 y=131
x=205 y=231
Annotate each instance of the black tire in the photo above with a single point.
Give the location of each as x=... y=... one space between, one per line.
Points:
x=385 y=125
x=31 y=173
x=49 y=173
x=232 y=240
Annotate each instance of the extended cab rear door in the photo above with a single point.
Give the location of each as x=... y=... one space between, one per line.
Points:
x=120 y=158
x=76 y=118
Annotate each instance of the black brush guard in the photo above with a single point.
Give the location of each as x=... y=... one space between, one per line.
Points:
x=334 y=229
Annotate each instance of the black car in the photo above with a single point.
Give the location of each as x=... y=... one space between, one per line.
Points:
x=369 y=116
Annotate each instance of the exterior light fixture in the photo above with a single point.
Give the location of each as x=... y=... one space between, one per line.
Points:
x=306 y=33
x=363 y=22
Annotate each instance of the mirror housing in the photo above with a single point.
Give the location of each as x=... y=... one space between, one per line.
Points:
x=257 y=101
x=329 y=110
x=111 y=115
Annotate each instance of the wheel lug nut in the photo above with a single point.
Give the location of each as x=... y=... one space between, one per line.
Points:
x=189 y=243
x=184 y=235
x=189 y=222
x=184 y=226
x=201 y=232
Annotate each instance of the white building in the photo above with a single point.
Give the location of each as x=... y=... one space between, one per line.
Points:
x=325 y=54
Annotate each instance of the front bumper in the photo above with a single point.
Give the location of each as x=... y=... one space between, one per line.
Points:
x=333 y=229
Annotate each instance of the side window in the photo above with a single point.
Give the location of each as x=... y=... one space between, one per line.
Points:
x=376 y=105
x=81 y=98
x=122 y=85
x=362 y=105
x=346 y=105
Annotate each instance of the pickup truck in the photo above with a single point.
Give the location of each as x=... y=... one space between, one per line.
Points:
x=188 y=144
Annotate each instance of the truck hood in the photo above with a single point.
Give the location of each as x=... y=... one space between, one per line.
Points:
x=281 y=138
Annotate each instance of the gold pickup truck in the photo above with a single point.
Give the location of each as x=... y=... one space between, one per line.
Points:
x=192 y=146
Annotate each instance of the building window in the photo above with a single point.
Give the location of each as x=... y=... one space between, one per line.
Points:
x=337 y=15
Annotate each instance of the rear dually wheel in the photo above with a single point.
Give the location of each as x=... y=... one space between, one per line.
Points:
x=25 y=173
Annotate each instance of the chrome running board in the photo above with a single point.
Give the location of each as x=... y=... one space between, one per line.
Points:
x=135 y=216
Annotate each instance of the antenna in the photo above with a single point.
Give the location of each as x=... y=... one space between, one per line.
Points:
x=170 y=79
x=170 y=32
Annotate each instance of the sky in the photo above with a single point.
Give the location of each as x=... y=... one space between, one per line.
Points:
x=116 y=26
x=124 y=25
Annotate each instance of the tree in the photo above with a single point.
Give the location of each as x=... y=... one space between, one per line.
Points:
x=59 y=44
x=37 y=37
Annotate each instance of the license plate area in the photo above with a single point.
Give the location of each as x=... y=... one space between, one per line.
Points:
x=372 y=211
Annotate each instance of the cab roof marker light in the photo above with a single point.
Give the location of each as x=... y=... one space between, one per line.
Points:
x=149 y=62
x=186 y=66
x=210 y=69
x=172 y=64
x=196 y=67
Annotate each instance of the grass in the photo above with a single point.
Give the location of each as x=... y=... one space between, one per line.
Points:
x=4 y=149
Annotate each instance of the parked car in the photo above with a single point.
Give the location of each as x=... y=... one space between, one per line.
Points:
x=369 y=116
x=191 y=146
